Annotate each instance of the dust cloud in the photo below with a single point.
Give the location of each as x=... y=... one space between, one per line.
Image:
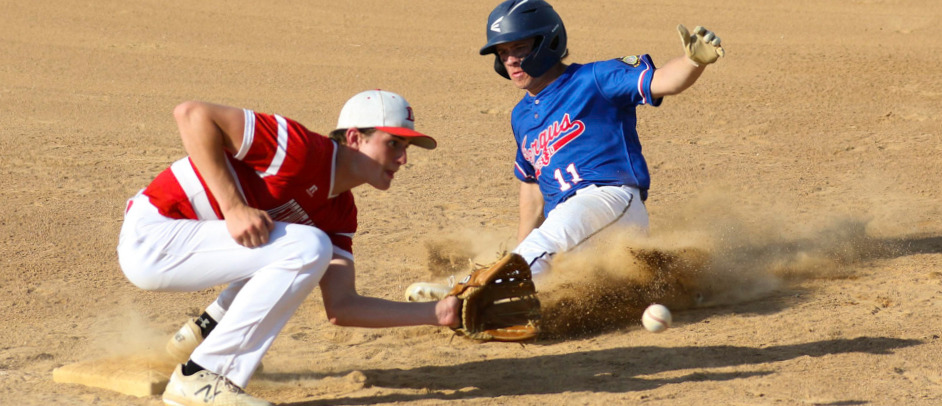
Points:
x=128 y=332
x=710 y=252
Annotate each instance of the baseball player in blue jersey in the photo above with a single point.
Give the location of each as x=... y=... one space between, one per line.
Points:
x=578 y=155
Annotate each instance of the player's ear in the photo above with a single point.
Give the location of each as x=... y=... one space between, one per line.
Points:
x=354 y=138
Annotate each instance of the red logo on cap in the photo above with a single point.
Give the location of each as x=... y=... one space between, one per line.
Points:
x=410 y=116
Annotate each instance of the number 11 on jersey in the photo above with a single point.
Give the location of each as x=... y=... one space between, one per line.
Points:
x=563 y=185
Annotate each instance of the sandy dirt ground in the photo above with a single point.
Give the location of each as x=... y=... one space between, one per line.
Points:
x=796 y=191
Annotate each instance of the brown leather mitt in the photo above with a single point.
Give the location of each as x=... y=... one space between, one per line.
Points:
x=499 y=302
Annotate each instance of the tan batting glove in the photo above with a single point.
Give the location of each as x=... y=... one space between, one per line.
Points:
x=703 y=47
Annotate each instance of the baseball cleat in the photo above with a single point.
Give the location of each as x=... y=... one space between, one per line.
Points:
x=426 y=292
x=206 y=388
x=182 y=344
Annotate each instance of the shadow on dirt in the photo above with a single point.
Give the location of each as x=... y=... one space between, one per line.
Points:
x=916 y=245
x=617 y=370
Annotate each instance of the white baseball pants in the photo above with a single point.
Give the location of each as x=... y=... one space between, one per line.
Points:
x=268 y=282
x=576 y=220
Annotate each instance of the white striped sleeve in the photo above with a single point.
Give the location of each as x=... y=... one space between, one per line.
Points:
x=333 y=172
x=195 y=193
x=343 y=253
x=248 y=134
x=282 y=148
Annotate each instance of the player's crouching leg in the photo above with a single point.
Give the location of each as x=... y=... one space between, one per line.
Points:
x=296 y=259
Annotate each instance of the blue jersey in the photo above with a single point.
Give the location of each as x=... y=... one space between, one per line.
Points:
x=580 y=130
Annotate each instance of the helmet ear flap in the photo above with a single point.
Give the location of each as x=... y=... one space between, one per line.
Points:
x=499 y=67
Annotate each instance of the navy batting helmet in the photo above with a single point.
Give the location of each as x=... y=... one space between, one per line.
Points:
x=514 y=20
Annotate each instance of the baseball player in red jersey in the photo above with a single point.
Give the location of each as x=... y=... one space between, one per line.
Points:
x=263 y=204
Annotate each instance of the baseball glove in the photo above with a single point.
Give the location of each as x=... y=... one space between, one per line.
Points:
x=499 y=302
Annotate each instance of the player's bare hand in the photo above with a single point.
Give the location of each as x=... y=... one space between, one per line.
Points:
x=448 y=311
x=702 y=46
x=249 y=227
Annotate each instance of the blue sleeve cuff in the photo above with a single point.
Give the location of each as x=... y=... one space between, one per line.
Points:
x=644 y=82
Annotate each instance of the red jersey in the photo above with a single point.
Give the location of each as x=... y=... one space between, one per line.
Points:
x=282 y=168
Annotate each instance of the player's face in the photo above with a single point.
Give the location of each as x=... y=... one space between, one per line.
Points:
x=388 y=152
x=511 y=55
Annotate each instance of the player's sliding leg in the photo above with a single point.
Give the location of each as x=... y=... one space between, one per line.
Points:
x=571 y=224
x=575 y=221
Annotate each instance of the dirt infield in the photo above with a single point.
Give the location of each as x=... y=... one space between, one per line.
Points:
x=795 y=205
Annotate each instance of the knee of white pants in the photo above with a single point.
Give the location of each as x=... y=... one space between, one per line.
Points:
x=536 y=244
x=133 y=267
x=309 y=247
x=141 y=279
x=537 y=250
x=312 y=247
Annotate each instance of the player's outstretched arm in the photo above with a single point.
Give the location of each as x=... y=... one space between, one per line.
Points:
x=345 y=307
x=208 y=131
x=701 y=48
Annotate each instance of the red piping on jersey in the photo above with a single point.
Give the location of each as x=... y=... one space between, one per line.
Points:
x=644 y=97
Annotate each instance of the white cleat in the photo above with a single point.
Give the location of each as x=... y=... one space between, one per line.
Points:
x=182 y=344
x=206 y=388
x=426 y=292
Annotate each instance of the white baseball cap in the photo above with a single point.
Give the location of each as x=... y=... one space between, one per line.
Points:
x=385 y=111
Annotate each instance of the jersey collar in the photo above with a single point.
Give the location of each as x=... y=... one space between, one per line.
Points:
x=562 y=79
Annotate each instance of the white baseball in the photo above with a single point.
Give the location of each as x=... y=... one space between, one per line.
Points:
x=656 y=318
